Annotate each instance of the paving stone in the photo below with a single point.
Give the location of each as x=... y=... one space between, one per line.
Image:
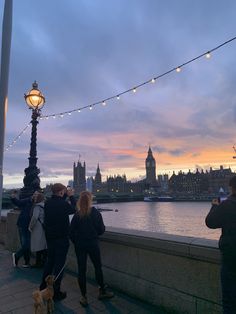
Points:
x=17 y=285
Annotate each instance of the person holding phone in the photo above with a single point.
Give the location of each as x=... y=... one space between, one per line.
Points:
x=25 y=206
x=56 y=221
x=223 y=215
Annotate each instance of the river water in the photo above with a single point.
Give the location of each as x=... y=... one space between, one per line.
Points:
x=180 y=218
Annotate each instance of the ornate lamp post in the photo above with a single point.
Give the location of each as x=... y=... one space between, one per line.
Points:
x=35 y=100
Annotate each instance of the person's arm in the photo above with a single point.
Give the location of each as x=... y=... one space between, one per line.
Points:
x=34 y=217
x=99 y=224
x=71 y=206
x=72 y=229
x=21 y=202
x=215 y=217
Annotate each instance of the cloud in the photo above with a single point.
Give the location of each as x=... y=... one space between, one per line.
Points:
x=87 y=51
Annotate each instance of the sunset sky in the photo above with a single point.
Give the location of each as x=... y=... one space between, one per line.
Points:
x=83 y=51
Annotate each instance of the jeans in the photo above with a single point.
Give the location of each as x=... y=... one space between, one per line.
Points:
x=93 y=251
x=24 y=235
x=228 y=284
x=41 y=257
x=56 y=258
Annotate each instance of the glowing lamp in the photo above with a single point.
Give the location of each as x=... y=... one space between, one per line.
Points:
x=35 y=99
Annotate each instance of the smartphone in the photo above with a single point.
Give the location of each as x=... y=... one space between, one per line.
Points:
x=222 y=198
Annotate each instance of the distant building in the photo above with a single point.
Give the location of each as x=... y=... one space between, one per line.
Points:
x=89 y=184
x=209 y=182
x=150 y=165
x=79 y=172
x=163 y=182
x=97 y=182
x=116 y=184
x=219 y=179
x=71 y=183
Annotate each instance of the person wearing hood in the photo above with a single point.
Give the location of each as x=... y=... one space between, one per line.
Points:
x=36 y=227
x=25 y=207
x=223 y=215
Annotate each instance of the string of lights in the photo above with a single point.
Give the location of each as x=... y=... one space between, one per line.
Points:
x=117 y=96
x=152 y=80
x=16 y=138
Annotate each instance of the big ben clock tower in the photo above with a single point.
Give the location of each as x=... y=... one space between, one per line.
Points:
x=150 y=164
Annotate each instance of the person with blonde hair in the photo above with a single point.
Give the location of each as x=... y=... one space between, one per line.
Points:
x=36 y=227
x=86 y=226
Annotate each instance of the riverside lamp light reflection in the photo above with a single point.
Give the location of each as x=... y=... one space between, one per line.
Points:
x=35 y=100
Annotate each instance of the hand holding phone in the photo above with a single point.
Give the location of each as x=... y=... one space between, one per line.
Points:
x=215 y=201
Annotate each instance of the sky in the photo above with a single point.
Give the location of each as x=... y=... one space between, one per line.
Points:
x=83 y=51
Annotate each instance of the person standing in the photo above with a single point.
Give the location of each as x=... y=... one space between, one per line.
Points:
x=36 y=227
x=25 y=206
x=223 y=215
x=86 y=226
x=56 y=221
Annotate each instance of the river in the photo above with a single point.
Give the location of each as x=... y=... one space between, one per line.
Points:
x=180 y=218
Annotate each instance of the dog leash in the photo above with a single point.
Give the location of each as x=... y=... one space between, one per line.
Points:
x=60 y=272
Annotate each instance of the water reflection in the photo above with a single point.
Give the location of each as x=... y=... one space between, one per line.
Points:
x=180 y=218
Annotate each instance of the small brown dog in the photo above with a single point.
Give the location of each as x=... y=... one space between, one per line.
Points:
x=44 y=296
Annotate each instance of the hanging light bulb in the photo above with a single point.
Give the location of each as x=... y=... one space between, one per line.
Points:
x=134 y=90
x=69 y=113
x=153 y=80
x=118 y=97
x=90 y=107
x=54 y=117
x=61 y=115
x=78 y=110
x=104 y=103
x=178 y=69
x=208 y=55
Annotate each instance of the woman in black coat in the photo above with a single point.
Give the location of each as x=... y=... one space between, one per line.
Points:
x=86 y=226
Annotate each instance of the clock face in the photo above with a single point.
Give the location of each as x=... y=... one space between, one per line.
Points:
x=148 y=164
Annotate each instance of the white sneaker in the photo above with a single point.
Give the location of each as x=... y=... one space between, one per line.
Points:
x=14 y=262
x=26 y=265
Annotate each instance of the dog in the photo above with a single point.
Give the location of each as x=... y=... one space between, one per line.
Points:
x=45 y=296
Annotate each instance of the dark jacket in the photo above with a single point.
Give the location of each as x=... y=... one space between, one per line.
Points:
x=56 y=220
x=224 y=216
x=25 y=206
x=85 y=230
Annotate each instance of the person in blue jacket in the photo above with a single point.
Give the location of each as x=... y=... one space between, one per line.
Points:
x=25 y=206
x=86 y=226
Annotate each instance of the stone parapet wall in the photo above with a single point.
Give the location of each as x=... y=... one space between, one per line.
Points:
x=179 y=273
x=3 y=230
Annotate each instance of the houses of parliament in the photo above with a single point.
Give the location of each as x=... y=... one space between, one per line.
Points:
x=116 y=183
x=190 y=183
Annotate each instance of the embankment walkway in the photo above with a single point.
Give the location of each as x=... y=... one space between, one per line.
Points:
x=17 y=285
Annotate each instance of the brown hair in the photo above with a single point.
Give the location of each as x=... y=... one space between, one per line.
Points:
x=84 y=203
x=39 y=197
x=57 y=187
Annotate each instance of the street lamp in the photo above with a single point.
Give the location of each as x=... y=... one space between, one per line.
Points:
x=35 y=100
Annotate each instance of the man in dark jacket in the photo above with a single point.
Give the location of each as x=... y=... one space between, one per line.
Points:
x=223 y=215
x=56 y=220
x=25 y=206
